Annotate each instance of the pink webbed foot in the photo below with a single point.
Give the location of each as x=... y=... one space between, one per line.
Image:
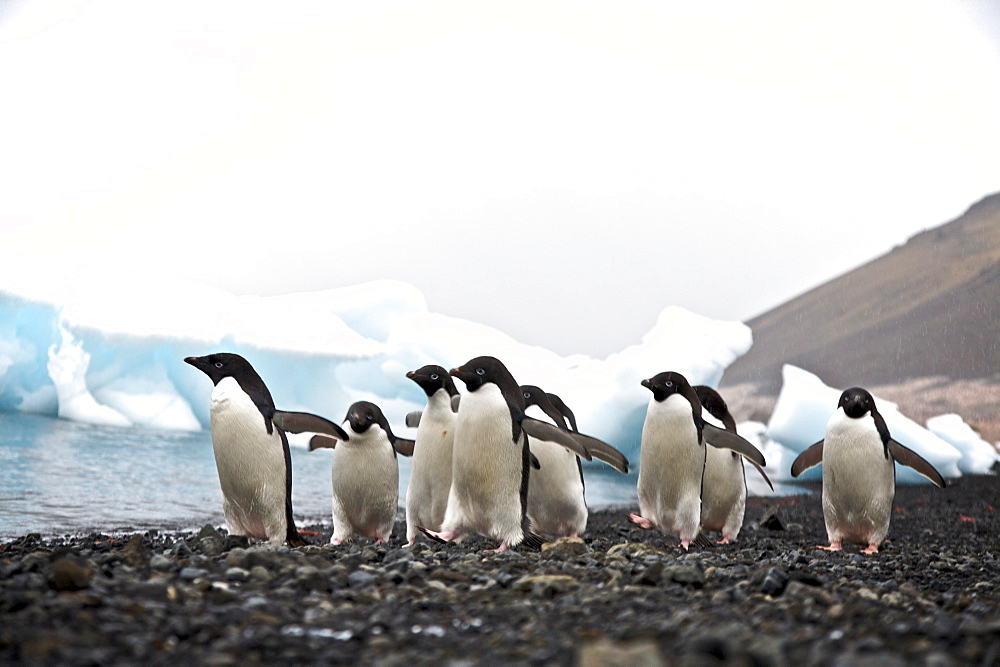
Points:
x=685 y=544
x=439 y=536
x=335 y=542
x=502 y=547
x=724 y=540
x=640 y=521
x=872 y=549
x=834 y=546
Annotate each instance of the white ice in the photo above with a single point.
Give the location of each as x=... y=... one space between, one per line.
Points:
x=109 y=348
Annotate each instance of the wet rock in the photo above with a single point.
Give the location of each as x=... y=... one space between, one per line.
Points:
x=136 y=554
x=609 y=653
x=770 y=520
x=773 y=581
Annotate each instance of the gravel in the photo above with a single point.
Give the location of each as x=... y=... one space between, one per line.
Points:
x=619 y=596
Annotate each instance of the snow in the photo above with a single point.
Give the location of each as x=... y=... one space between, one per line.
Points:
x=109 y=348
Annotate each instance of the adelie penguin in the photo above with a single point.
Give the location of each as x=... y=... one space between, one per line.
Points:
x=365 y=475
x=672 y=457
x=859 y=473
x=556 y=503
x=724 y=485
x=251 y=449
x=430 y=474
x=491 y=459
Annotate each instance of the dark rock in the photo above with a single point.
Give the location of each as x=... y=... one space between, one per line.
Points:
x=770 y=520
x=774 y=582
x=136 y=554
x=361 y=579
x=70 y=574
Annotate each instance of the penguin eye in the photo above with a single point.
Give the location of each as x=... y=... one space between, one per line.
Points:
x=480 y=371
x=434 y=376
x=527 y=394
x=218 y=364
x=669 y=383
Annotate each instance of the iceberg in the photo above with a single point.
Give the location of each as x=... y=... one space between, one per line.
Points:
x=804 y=406
x=978 y=456
x=108 y=348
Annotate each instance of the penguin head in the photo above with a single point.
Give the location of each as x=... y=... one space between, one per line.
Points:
x=363 y=415
x=664 y=385
x=856 y=402
x=535 y=396
x=431 y=378
x=221 y=365
x=483 y=370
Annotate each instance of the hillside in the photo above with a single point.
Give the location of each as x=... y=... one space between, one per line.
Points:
x=920 y=324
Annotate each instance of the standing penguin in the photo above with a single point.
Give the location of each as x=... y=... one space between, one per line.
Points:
x=491 y=460
x=859 y=472
x=672 y=457
x=365 y=475
x=430 y=475
x=251 y=449
x=556 y=503
x=724 y=485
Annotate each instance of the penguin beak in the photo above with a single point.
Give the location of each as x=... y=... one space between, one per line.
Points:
x=647 y=383
x=411 y=374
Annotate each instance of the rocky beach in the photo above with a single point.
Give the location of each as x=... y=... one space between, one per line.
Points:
x=618 y=596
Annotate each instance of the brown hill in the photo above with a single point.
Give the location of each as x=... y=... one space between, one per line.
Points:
x=920 y=325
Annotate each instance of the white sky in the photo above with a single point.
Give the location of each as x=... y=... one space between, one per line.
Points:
x=561 y=171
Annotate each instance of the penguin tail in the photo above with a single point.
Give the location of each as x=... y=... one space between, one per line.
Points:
x=702 y=541
x=533 y=540
x=293 y=539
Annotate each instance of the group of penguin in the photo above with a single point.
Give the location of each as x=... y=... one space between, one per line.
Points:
x=503 y=460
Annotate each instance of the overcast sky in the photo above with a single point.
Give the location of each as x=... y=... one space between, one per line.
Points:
x=561 y=171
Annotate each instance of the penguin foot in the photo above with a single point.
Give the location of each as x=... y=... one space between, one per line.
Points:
x=640 y=521
x=685 y=544
x=834 y=546
x=724 y=540
x=502 y=547
x=335 y=542
x=872 y=549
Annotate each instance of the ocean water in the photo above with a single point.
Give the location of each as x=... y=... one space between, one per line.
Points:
x=63 y=477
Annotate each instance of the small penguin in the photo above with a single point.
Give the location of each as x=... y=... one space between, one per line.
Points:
x=430 y=475
x=724 y=485
x=491 y=460
x=251 y=449
x=556 y=503
x=672 y=457
x=859 y=473
x=365 y=475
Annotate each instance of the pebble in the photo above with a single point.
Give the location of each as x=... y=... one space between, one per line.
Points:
x=618 y=596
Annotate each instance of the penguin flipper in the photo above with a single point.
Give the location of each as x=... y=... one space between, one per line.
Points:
x=403 y=446
x=320 y=442
x=413 y=418
x=910 y=459
x=723 y=439
x=602 y=451
x=455 y=400
x=305 y=422
x=811 y=457
x=545 y=431
x=763 y=474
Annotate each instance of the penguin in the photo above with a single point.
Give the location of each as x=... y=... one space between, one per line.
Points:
x=251 y=449
x=724 y=484
x=556 y=503
x=430 y=475
x=491 y=459
x=672 y=457
x=859 y=473
x=365 y=475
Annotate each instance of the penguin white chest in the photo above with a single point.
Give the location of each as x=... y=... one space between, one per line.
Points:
x=858 y=480
x=365 y=485
x=250 y=463
x=671 y=464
